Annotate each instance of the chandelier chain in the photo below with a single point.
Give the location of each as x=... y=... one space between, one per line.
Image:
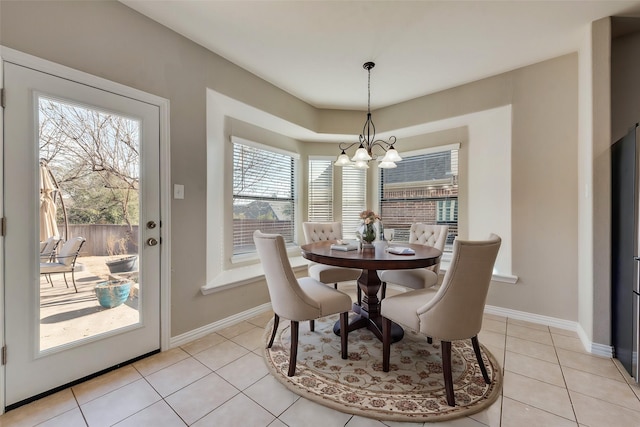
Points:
x=369 y=91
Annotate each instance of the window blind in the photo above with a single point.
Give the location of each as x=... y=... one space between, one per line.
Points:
x=354 y=183
x=263 y=195
x=320 y=190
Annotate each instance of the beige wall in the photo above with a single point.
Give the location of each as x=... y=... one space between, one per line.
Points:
x=109 y=40
x=625 y=84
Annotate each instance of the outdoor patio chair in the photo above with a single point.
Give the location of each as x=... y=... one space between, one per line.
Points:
x=65 y=261
x=48 y=249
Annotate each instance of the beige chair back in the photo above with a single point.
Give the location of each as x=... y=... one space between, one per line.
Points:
x=287 y=298
x=321 y=231
x=48 y=245
x=48 y=248
x=429 y=235
x=70 y=250
x=455 y=312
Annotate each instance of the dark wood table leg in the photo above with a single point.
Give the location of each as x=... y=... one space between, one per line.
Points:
x=368 y=312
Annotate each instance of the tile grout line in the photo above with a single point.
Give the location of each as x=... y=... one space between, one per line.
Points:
x=504 y=369
x=86 y=422
x=564 y=379
x=536 y=379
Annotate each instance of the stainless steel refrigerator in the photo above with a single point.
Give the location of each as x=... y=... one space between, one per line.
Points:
x=625 y=265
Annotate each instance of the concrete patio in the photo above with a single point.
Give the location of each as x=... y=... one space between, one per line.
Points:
x=67 y=316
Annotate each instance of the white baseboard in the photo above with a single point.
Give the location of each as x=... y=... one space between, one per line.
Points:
x=593 y=348
x=216 y=326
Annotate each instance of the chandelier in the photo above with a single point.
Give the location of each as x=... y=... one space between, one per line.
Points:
x=368 y=141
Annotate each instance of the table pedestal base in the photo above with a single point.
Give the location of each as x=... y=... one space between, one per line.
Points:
x=374 y=325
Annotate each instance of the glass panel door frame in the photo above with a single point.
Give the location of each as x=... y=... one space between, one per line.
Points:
x=30 y=61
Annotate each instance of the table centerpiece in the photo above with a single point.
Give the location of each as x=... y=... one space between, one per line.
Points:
x=370 y=229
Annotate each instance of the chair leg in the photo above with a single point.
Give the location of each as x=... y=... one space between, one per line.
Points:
x=312 y=325
x=294 y=348
x=344 y=334
x=386 y=343
x=383 y=291
x=358 y=294
x=276 y=321
x=446 y=369
x=476 y=348
x=65 y=279
x=335 y=286
x=430 y=340
x=73 y=279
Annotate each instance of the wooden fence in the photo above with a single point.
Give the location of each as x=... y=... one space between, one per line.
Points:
x=105 y=239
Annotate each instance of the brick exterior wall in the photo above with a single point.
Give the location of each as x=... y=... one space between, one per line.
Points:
x=402 y=207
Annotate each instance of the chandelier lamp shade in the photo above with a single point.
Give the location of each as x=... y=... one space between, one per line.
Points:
x=368 y=141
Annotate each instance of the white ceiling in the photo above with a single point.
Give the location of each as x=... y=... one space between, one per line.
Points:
x=315 y=49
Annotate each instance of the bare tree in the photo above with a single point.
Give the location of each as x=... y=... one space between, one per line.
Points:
x=92 y=151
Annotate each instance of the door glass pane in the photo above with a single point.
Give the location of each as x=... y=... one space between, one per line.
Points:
x=89 y=207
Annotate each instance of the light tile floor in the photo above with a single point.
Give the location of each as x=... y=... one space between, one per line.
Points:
x=221 y=380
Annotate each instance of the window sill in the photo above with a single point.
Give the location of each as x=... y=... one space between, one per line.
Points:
x=241 y=276
x=496 y=277
x=292 y=251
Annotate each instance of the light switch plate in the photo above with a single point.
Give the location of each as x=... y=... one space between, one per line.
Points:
x=178 y=191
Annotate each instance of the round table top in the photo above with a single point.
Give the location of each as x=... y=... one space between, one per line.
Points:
x=372 y=259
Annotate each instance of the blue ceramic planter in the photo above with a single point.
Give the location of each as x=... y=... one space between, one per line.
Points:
x=112 y=293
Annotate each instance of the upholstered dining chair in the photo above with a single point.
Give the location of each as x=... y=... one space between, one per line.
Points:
x=321 y=231
x=297 y=299
x=453 y=311
x=417 y=278
x=65 y=261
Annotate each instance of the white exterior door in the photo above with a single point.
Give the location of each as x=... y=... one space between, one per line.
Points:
x=97 y=145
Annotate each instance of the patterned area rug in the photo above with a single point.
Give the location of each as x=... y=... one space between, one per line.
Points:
x=413 y=389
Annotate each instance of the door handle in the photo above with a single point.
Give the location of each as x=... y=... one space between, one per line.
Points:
x=151 y=225
x=151 y=241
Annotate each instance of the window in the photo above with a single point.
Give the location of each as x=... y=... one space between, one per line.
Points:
x=354 y=182
x=423 y=188
x=447 y=211
x=263 y=194
x=320 y=190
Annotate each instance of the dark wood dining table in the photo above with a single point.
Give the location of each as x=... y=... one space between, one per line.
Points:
x=370 y=261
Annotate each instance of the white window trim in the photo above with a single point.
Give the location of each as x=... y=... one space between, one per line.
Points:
x=445 y=262
x=239 y=140
x=483 y=127
x=240 y=276
x=432 y=150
